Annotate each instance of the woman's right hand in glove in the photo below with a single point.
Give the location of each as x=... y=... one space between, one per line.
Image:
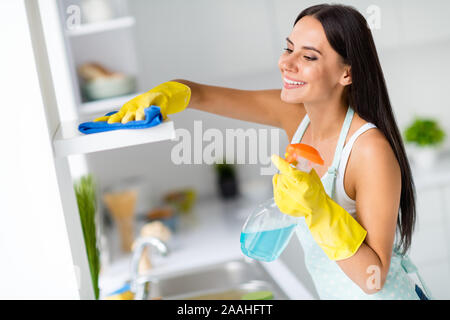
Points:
x=170 y=97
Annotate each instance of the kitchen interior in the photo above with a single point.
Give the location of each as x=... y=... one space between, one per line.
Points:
x=121 y=48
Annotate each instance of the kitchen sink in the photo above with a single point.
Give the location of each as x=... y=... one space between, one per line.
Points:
x=229 y=280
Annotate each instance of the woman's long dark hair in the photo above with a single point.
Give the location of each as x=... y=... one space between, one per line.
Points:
x=349 y=34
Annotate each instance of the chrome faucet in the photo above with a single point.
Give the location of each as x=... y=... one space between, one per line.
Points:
x=140 y=284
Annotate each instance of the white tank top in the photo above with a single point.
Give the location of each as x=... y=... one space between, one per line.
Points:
x=341 y=196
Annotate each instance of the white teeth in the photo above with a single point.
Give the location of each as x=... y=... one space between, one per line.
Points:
x=293 y=82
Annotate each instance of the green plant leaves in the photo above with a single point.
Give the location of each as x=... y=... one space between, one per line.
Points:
x=224 y=169
x=86 y=200
x=424 y=132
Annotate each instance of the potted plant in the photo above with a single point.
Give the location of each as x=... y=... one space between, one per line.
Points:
x=426 y=136
x=85 y=191
x=227 y=180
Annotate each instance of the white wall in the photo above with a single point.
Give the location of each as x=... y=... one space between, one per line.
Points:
x=203 y=40
x=417 y=79
x=36 y=260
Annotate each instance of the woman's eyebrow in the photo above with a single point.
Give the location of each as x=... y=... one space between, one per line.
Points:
x=304 y=47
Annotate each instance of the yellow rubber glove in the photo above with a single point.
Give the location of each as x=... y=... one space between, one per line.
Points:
x=170 y=97
x=299 y=194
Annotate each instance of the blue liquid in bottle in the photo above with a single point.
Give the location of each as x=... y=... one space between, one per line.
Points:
x=266 y=245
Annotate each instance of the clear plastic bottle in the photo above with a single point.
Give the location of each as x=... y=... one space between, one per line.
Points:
x=267 y=230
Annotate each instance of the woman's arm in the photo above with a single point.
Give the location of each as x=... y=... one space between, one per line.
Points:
x=378 y=187
x=260 y=106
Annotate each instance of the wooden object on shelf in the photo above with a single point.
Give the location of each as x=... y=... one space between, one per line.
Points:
x=121 y=205
x=160 y=213
x=93 y=70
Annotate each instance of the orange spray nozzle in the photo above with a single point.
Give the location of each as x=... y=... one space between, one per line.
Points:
x=295 y=150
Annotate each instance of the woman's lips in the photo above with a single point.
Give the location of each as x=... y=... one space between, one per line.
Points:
x=288 y=83
x=292 y=86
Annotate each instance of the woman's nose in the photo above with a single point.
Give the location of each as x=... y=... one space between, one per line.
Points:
x=288 y=63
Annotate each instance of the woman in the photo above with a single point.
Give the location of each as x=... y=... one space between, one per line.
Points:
x=335 y=99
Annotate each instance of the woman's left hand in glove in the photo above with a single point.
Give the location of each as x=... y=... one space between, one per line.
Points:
x=299 y=193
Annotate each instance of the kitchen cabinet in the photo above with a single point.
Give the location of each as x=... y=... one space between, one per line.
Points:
x=103 y=35
x=108 y=39
x=43 y=139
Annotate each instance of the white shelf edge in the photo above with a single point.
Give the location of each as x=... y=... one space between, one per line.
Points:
x=68 y=140
x=102 y=26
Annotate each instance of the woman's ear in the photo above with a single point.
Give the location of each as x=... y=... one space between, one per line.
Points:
x=346 y=78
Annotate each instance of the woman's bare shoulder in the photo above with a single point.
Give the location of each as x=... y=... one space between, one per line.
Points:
x=372 y=145
x=371 y=160
x=373 y=157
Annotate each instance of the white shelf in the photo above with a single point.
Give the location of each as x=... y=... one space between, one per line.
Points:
x=68 y=140
x=92 y=28
x=105 y=105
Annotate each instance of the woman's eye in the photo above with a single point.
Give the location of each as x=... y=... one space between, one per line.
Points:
x=306 y=57
x=310 y=58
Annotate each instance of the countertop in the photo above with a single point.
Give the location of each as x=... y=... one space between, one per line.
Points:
x=209 y=234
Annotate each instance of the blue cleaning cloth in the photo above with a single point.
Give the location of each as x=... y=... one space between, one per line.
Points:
x=126 y=287
x=153 y=117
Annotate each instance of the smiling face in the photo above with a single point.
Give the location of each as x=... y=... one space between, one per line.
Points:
x=310 y=68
